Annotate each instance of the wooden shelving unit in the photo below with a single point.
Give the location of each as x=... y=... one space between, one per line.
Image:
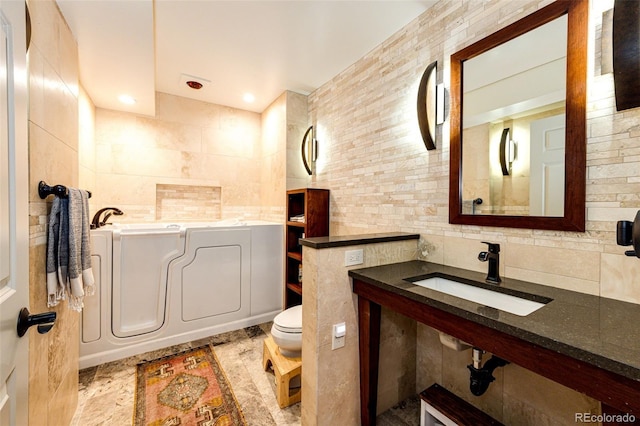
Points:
x=313 y=206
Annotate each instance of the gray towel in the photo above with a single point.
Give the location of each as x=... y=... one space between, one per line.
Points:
x=69 y=271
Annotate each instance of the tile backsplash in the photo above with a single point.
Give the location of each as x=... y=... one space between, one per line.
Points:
x=185 y=202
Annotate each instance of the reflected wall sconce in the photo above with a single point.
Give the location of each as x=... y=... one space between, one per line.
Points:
x=508 y=151
x=430 y=105
x=309 y=149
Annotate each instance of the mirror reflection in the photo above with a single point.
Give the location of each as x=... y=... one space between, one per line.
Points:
x=513 y=125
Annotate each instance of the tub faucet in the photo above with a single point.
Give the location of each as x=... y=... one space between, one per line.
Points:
x=97 y=223
x=492 y=255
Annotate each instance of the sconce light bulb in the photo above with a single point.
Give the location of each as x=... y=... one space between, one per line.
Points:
x=314 y=150
x=507 y=152
x=513 y=151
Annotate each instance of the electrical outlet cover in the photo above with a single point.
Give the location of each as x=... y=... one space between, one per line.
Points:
x=353 y=257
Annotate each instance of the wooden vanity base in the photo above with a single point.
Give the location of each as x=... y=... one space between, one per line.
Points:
x=612 y=389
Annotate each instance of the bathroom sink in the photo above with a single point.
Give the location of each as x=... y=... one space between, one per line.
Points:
x=504 y=302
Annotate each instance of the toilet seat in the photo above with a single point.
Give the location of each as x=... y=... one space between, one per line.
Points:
x=289 y=320
x=287 y=331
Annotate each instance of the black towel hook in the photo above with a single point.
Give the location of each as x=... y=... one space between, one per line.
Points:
x=61 y=191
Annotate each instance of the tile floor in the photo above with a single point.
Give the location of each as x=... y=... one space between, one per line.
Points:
x=106 y=392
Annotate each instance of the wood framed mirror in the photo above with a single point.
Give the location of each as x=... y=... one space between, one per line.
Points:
x=477 y=117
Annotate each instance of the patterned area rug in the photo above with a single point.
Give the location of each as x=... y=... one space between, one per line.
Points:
x=189 y=388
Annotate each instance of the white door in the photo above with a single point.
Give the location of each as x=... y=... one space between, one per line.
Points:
x=546 y=184
x=14 y=213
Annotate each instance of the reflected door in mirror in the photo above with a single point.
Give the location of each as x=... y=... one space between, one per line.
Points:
x=546 y=185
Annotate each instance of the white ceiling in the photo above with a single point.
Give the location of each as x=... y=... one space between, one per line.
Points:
x=263 y=47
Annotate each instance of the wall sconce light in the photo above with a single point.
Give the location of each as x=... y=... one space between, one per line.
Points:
x=508 y=152
x=430 y=105
x=309 y=149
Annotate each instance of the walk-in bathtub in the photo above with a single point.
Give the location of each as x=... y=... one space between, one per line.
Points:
x=163 y=284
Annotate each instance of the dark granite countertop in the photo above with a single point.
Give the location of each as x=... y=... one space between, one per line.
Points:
x=599 y=331
x=354 y=240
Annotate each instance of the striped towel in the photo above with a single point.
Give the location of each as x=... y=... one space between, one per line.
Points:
x=69 y=273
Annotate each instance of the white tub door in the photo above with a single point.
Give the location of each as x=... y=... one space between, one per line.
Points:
x=140 y=263
x=213 y=278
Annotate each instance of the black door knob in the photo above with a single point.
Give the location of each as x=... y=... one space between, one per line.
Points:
x=44 y=321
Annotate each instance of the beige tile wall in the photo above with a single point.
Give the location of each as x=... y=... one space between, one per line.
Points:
x=283 y=124
x=274 y=145
x=86 y=146
x=54 y=158
x=382 y=179
x=297 y=124
x=188 y=142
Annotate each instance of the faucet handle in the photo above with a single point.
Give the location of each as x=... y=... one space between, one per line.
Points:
x=493 y=247
x=483 y=256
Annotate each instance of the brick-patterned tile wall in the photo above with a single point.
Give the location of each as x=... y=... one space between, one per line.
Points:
x=382 y=178
x=185 y=202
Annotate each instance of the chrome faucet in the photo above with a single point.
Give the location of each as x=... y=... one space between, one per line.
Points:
x=97 y=223
x=492 y=255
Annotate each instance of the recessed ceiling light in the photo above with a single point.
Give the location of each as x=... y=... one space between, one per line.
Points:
x=248 y=98
x=127 y=99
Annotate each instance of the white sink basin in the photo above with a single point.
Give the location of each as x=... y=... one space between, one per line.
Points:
x=504 y=302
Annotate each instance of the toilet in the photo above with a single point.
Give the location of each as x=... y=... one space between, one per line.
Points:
x=287 y=331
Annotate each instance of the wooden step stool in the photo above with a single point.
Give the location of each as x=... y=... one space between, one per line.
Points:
x=285 y=369
x=439 y=406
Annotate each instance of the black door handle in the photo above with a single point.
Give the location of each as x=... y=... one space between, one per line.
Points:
x=44 y=321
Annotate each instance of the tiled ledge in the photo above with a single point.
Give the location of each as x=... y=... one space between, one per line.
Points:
x=355 y=240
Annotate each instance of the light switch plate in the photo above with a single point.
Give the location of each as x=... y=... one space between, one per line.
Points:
x=338 y=335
